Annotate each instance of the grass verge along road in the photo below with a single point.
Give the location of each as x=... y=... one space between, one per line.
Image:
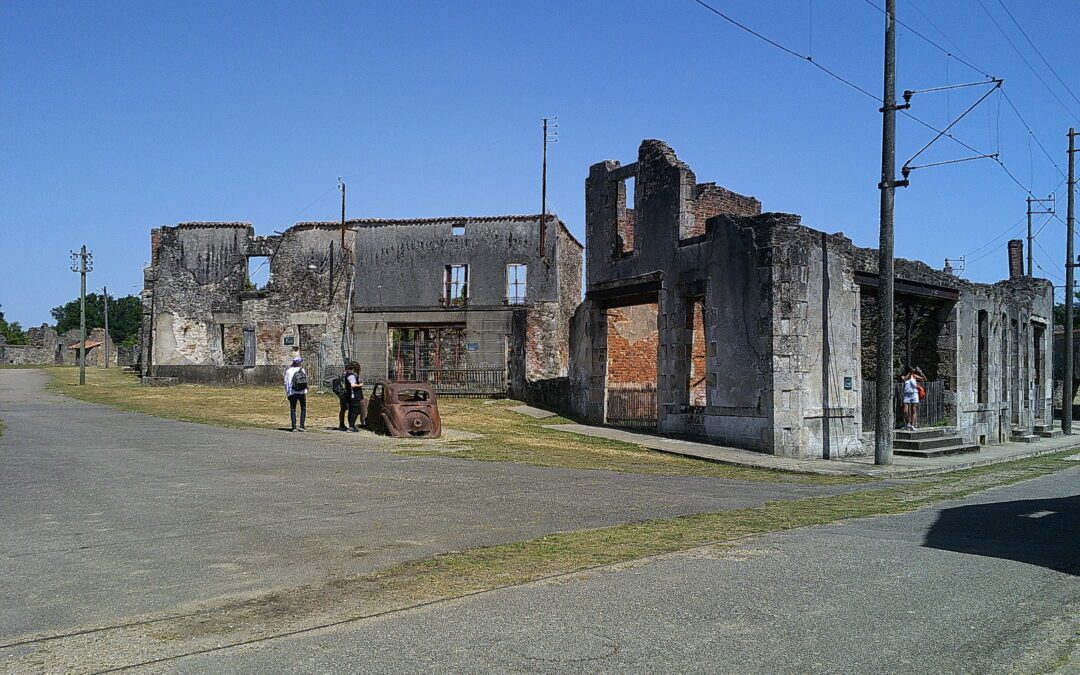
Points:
x=158 y=640
x=505 y=436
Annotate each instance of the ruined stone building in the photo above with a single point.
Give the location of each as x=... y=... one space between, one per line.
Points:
x=489 y=298
x=44 y=346
x=205 y=321
x=705 y=317
x=478 y=305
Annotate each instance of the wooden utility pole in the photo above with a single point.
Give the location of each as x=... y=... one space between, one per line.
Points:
x=884 y=416
x=341 y=186
x=82 y=262
x=551 y=135
x=1067 y=377
x=105 y=292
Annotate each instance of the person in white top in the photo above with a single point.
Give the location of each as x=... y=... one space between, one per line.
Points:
x=911 y=399
x=296 y=385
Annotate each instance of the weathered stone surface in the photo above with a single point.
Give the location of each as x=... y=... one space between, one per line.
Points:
x=786 y=328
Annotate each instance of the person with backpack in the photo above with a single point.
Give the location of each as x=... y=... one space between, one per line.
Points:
x=296 y=386
x=350 y=391
x=913 y=394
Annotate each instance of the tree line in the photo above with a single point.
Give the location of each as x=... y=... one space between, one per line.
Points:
x=125 y=315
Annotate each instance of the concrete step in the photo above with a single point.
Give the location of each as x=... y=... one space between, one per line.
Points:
x=1051 y=433
x=1021 y=437
x=928 y=432
x=957 y=449
x=928 y=443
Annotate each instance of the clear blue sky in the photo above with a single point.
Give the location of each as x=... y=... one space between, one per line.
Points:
x=119 y=117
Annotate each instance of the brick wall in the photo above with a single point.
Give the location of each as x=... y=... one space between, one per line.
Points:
x=697 y=355
x=713 y=200
x=632 y=342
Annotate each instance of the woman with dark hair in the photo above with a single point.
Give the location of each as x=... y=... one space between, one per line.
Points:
x=912 y=395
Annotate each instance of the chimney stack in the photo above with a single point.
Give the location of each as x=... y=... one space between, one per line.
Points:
x=1016 y=258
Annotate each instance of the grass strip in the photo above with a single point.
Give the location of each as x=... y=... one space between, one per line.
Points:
x=288 y=612
x=505 y=436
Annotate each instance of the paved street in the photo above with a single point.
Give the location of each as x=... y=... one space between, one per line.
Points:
x=108 y=516
x=984 y=585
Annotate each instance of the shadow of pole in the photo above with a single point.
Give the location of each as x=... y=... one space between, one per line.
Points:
x=1044 y=532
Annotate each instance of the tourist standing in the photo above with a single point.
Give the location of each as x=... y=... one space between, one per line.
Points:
x=296 y=385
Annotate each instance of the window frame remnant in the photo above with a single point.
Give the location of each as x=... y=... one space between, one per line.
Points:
x=517 y=285
x=456 y=285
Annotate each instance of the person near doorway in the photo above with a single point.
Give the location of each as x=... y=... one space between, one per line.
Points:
x=352 y=399
x=913 y=393
x=296 y=385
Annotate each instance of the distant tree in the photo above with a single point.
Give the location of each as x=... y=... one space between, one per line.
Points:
x=12 y=332
x=125 y=315
x=1059 y=312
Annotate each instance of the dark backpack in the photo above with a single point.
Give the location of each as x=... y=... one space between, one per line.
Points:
x=340 y=386
x=299 y=382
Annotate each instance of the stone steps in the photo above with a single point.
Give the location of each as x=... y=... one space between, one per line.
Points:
x=954 y=449
x=1022 y=436
x=1047 y=431
x=931 y=442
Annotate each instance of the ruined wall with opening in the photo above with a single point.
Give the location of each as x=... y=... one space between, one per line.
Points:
x=205 y=321
x=779 y=359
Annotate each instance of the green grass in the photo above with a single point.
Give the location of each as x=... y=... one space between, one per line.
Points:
x=505 y=436
x=463 y=573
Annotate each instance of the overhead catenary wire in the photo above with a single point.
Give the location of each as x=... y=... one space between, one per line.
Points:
x=1026 y=62
x=970 y=64
x=1037 y=51
x=856 y=87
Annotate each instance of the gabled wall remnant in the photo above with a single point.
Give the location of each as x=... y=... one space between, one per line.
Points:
x=204 y=320
x=771 y=310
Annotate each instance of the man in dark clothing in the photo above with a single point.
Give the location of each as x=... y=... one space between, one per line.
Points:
x=352 y=399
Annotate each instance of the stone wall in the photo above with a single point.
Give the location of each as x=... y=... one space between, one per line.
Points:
x=203 y=318
x=781 y=327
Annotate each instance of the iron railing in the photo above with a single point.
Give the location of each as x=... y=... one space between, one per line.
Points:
x=631 y=406
x=457 y=381
x=932 y=409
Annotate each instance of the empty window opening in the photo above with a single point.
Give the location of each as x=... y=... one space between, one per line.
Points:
x=696 y=367
x=632 y=357
x=458 y=229
x=456 y=286
x=258 y=273
x=1038 y=339
x=1004 y=357
x=982 y=386
x=1014 y=370
x=515 y=283
x=625 y=217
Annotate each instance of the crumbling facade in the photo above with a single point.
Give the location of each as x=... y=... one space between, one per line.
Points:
x=760 y=329
x=489 y=297
x=44 y=346
x=479 y=304
x=205 y=321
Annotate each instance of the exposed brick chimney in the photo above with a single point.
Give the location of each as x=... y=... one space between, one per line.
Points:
x=1016 y=258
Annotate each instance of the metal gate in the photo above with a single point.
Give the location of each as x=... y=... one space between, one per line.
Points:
x=451 y=364
x=631 y=406
x=932 y=410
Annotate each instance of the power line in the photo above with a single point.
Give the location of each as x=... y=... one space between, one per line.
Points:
x=956 y=48
x=1030 y=132
x=1024 y=59
x=911 y=30
x=849 y=83
x=1030 y=42
x=1003 y=233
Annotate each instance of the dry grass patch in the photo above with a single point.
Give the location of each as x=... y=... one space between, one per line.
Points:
x=340 y=600
x=506 y=436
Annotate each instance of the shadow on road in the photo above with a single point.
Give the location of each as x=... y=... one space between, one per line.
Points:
x=1044 y=532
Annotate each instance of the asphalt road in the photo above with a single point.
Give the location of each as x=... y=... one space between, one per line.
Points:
x=107 y=517
x=982 y=585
